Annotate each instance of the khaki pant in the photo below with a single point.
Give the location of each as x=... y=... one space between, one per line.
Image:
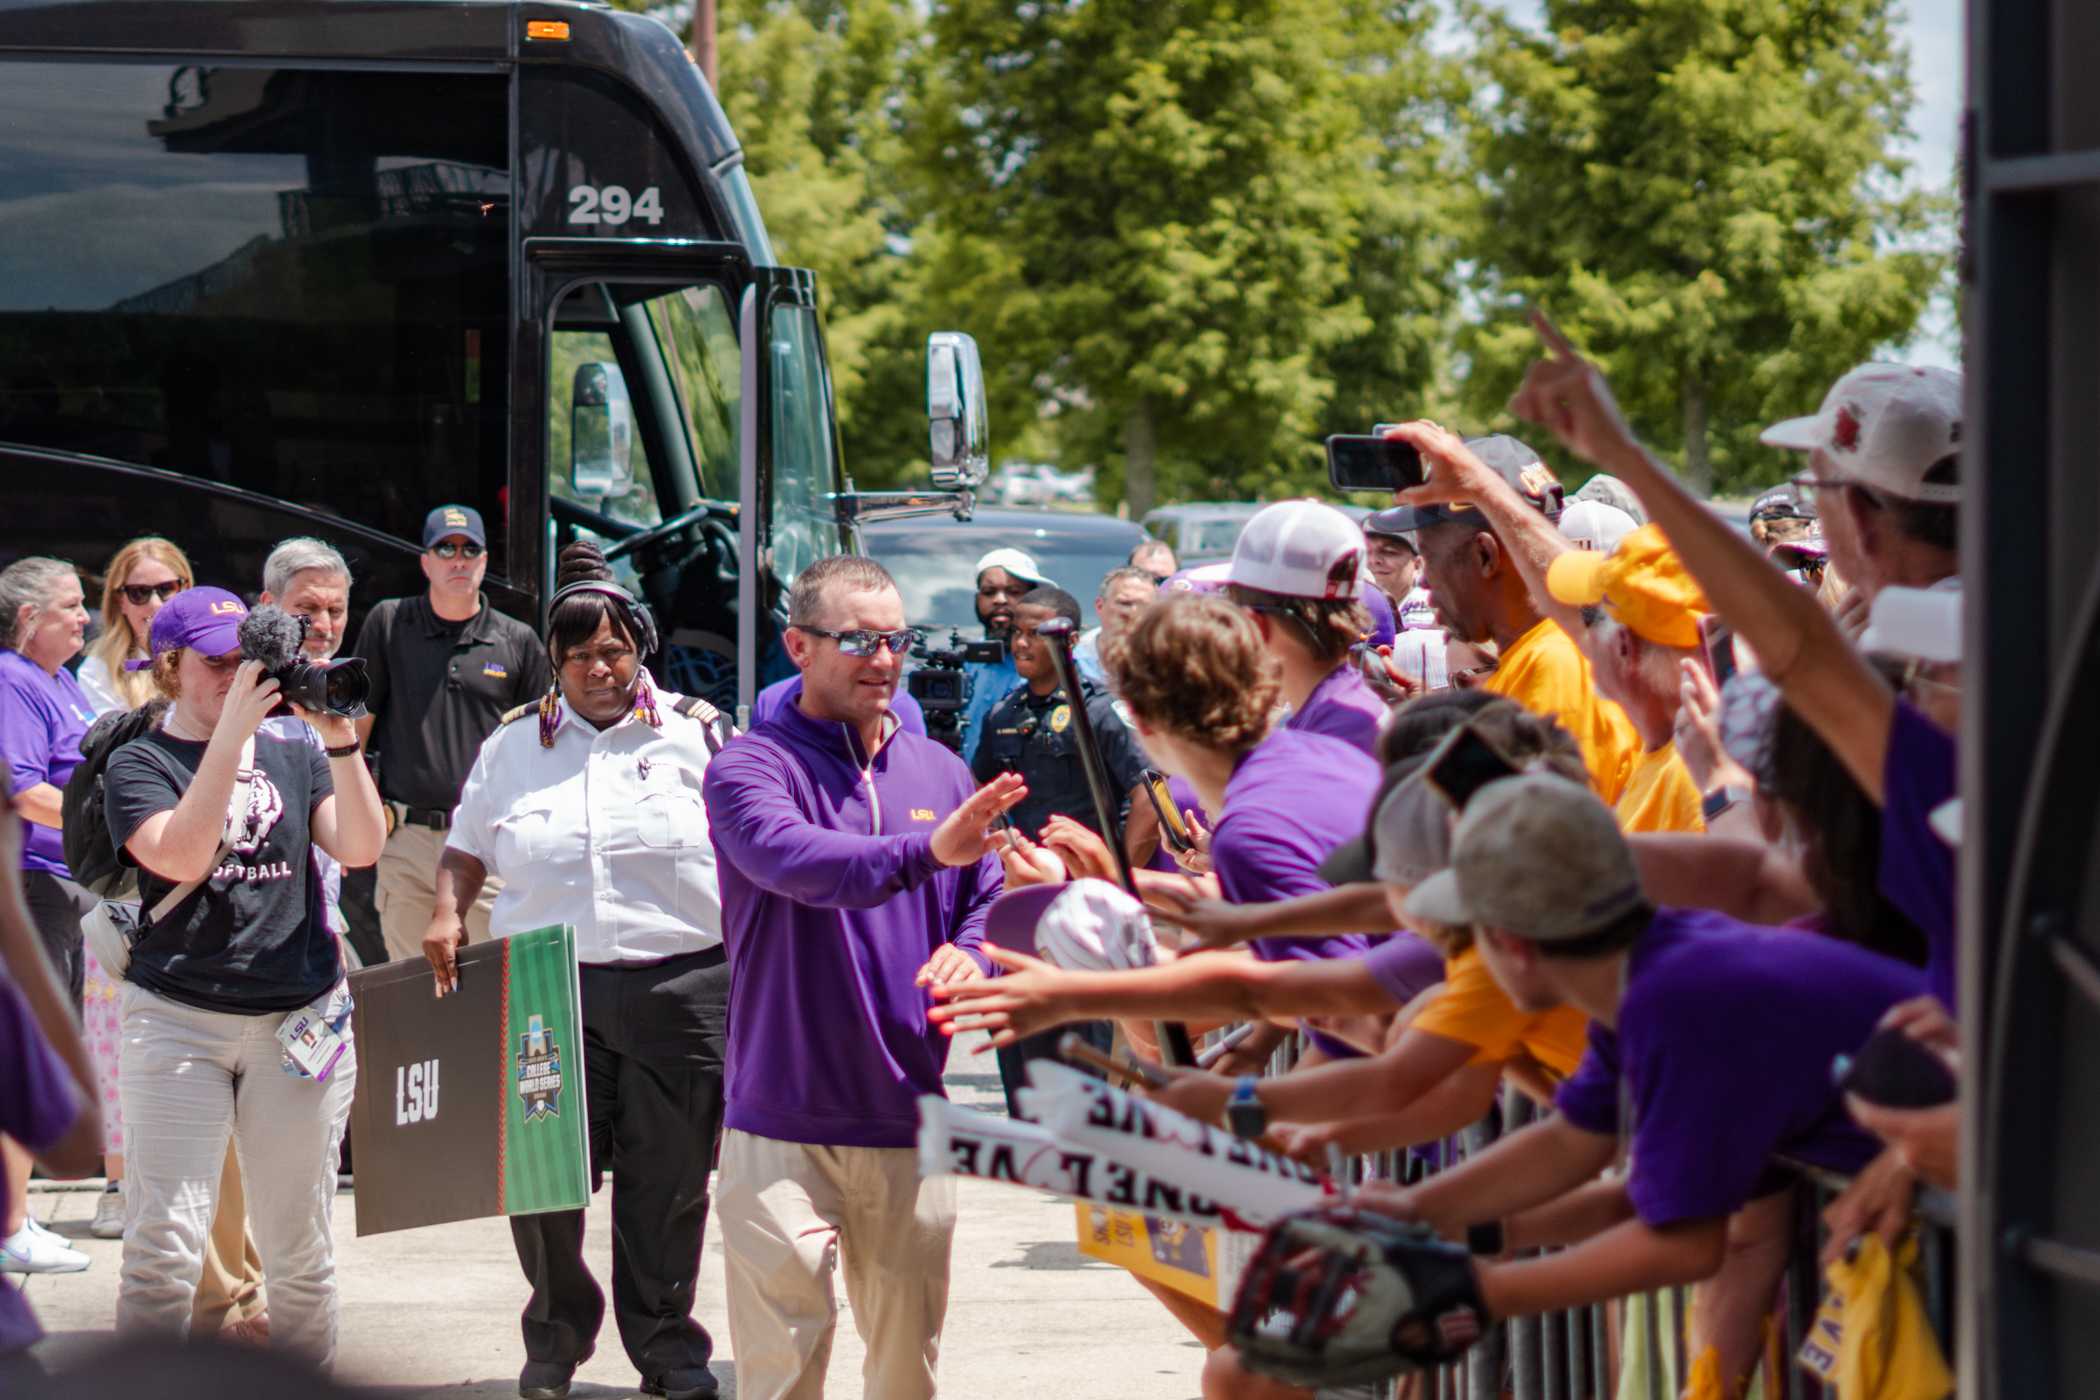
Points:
x=407 y=892
x=231 y=1288
x=786 y=1210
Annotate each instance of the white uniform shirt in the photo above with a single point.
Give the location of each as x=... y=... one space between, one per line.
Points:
x=605 y=831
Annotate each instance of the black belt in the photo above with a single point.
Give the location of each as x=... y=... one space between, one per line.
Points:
x=436 y=818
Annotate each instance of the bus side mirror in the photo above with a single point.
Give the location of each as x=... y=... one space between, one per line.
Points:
x=955 y=412
x=601 y=432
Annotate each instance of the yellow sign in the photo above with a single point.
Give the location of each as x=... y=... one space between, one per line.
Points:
x=1203 y=1263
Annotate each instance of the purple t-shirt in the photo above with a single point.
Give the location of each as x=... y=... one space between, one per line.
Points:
x=37 y=1105
x=1724 y=1041
x=831 y=902
x=783 y=693
x=1342 y=706
x=42 y=721
x=1917 y=867
x=1292 y=800
x=1405 y=965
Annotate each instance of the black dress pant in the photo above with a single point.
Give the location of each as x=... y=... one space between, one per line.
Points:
x=652 y=1065
x=58 y=905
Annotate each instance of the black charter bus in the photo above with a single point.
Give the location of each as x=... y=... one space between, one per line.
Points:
x=310 y=267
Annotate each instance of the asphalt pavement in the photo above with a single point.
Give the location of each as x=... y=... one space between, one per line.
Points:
x=433 y=1312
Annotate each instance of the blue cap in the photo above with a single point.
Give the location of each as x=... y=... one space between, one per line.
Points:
x=447 y=521
x=206 y=620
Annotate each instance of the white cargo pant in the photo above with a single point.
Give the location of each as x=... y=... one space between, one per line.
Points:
x=786 y=1210
x=189 y=1078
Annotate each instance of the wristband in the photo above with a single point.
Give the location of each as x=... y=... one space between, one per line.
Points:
x=1485 y=1238
x=349 y=750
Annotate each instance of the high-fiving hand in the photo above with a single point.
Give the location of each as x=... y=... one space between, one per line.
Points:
x=966 y=835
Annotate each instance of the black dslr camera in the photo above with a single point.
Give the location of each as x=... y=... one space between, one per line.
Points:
x=274 y=637
x=941 y=689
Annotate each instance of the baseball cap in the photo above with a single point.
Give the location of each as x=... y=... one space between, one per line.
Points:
x=1783 y=502
x=1203 y=578
x=1595 y=525
x=1514 y=462
x=1393 y=522
x=447 y=521
x=1606 y=489
x=1299 y=549
x=1535 y=854
x=206 y=620
x=1642 y=582
x=1883 y=427
x=1084 y=926
x=1354 y=861
x=1020 y=565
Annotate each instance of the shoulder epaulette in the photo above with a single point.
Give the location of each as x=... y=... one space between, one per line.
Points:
x=693 y=707
x=519 y=712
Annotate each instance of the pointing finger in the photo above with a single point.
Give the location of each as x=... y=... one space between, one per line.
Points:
x=1550 y=333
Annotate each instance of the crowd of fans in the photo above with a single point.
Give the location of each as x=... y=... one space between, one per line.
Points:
x=1602 y=799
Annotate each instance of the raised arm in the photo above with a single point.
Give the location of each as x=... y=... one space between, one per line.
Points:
x=1360 y=908
x=1828 y=683
x=1748 y=880
x=179 y=843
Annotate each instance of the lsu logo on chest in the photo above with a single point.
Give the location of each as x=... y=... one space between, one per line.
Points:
x=923 y=814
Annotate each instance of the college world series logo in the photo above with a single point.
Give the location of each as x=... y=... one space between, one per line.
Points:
x=539 y=1071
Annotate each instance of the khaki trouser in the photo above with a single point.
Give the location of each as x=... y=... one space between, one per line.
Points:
x=407 y=892
x=231 y=1288
x=786 y=1210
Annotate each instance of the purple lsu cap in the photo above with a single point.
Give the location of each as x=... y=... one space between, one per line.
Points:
x=206 y=620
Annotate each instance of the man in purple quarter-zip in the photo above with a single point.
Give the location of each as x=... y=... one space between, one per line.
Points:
x=856 y=865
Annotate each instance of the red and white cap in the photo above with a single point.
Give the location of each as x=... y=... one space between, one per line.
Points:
x=1299 y=549
x=1883 y=427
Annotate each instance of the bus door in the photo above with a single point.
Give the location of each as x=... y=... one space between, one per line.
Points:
x=641 y=377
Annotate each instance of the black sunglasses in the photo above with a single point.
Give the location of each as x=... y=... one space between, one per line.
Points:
x=445 y=549
x=862 y=642
x=139 y=594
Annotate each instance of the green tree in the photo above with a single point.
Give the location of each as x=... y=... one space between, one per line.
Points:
x=1152 y=206
x=1706 y=195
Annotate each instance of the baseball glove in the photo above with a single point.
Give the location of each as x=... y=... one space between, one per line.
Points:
x=1336 y=1296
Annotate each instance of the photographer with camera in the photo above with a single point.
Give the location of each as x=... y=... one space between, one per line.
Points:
x=1004 y=576
x=221 y=814
x=445 y=668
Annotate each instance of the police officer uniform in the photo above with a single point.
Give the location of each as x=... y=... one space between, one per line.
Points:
x=605 y=830
x=1035 y=736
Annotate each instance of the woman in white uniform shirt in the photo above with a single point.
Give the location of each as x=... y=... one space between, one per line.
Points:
x=587 y=806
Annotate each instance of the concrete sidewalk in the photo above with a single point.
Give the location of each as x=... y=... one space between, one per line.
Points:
x=434 y=1311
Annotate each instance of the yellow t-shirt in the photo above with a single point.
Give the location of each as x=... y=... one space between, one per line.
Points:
x=1471 y=1008
x=1660 y=795
x=1546 y=673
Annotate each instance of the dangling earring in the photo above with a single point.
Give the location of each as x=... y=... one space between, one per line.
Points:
x=550 y=714
x=645 y=702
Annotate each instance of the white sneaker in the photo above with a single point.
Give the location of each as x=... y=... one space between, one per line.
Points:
x=33 y=1250
x=109 y=1214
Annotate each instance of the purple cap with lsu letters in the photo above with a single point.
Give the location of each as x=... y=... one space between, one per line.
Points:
x=206 y=620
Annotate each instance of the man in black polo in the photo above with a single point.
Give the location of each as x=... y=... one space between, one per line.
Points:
x=444 y=666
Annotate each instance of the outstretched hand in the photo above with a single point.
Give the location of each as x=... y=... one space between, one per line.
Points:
x=1454 y=475
x=1568 y=395
x=1023 y=1001
x=966 y=834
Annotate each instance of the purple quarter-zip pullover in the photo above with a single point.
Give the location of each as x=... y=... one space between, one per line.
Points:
x=831 y=903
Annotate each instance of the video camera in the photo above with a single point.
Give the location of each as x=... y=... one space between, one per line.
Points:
x=939 y=686
x=274 y=637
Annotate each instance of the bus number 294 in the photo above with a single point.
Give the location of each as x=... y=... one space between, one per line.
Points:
x=612 y=204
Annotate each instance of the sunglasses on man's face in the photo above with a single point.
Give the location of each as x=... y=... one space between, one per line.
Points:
x=139 y=594
x=862 y=642
x=447 y=549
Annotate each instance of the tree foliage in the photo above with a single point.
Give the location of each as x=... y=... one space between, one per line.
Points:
x=1705 y=193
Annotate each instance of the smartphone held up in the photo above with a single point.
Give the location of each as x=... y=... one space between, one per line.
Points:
x=1372 y=462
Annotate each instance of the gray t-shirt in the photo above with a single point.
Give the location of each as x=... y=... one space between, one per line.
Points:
x=253 y=939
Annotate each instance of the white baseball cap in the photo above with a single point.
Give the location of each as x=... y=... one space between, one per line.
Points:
x=1884 y=426
x=1020 y=565
x=1595 y=525
x=1299 y=549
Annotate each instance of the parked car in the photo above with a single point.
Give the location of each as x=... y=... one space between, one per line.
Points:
x=932 y=557
x=1201 y=531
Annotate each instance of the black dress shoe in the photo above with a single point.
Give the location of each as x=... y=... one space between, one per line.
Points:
x=547 y=1380
x=695 y=1383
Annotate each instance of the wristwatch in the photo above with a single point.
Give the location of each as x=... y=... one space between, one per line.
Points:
x=1244 y=1113
x=1719 y=801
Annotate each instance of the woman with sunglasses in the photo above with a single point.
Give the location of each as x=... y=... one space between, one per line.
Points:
x=1295 y=570
x=587 y=805
x=137 y=584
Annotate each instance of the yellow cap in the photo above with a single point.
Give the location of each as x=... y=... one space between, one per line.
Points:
x=1643 y=583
